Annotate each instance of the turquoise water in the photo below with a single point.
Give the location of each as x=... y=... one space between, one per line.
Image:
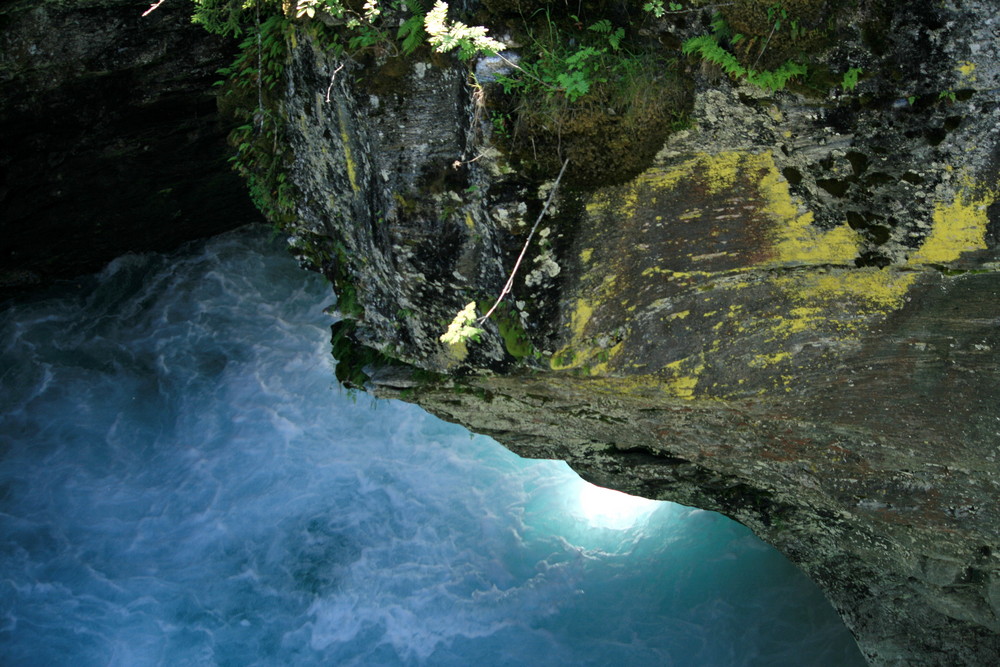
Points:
x=183 y=483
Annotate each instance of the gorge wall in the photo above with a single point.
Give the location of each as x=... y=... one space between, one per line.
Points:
x=777 y=304
x=787 y=313
x=113 y=141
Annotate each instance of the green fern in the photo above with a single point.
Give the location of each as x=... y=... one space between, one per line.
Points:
x=777 y=79
x=707 y=48
x=222 y=17
x=411 y=32
x=720 y=28
x=603 y=26
x=613 y=35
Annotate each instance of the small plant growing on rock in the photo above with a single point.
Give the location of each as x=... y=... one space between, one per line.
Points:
x=709 y=49
x=564 y=67
x=445 y=35
x=850 y=80
x=657 y=8
x=463 y=328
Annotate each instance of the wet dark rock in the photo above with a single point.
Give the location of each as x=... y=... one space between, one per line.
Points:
x=788 y=316
x=112 y=138
x=786 y=313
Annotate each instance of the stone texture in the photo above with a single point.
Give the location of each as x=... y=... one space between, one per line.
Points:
x=112 y=138
x=789 y=317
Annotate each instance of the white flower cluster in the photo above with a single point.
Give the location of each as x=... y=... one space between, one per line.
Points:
x=446 y=35
x=461 y=329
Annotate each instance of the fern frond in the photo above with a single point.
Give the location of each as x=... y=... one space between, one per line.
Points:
x=777 y=79
x=709 y=49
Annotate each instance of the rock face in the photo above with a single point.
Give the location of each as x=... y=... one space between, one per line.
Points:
x=112 y=138
x=790 y=316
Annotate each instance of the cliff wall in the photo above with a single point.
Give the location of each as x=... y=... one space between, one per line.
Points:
x=786 y=314
x=777 y=303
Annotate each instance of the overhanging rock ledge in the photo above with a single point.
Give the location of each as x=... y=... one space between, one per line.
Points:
x=788 y=315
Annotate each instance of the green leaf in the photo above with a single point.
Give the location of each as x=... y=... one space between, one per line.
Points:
x=615 y=39
x=850 y=80
x=603 y=26
x=412 y=33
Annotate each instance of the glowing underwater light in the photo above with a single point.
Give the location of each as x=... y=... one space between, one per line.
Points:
x=612 y=509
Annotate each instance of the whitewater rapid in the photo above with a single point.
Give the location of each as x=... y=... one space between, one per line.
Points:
x=182 y=482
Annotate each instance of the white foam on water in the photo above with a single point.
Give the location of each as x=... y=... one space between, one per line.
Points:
x=183 y=483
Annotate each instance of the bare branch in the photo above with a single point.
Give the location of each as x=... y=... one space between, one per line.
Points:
x=333 y=77
x=510 y=280
x=153 y=8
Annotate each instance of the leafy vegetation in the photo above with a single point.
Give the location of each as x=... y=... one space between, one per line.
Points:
x=850 y=80
x=659 y=8
x=515 y=338
x=591 y=89
x=709 y=49
x=463 y=328
x=557 y=67
x=252 y=81
x=250 y=86
x=446 y=36
x=713 y=48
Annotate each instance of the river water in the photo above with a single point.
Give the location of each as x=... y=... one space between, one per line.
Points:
x=182 y=482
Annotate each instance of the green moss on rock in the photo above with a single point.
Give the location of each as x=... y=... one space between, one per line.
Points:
x=609 y=136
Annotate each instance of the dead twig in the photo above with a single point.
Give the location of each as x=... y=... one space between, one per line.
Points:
x=153 y=8
x=510 y=280
x=333 y=77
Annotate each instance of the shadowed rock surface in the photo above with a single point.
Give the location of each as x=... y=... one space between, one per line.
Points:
x=112 y=138
x=789 y=316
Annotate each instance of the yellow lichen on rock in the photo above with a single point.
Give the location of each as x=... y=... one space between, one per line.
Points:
x=796 y=240
x=603 y=358
x=722 y=169
x=793 y=237
x=765 y=360
x=571 y=355
x=659 y=178
x=620 y=201
x=959 y=227
x=581 y=316
x=796 y=320
x=865 y=290
x=966 y=69
x=669 y=248
x=717 y=172
x=352 y=169
x=684 y=376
